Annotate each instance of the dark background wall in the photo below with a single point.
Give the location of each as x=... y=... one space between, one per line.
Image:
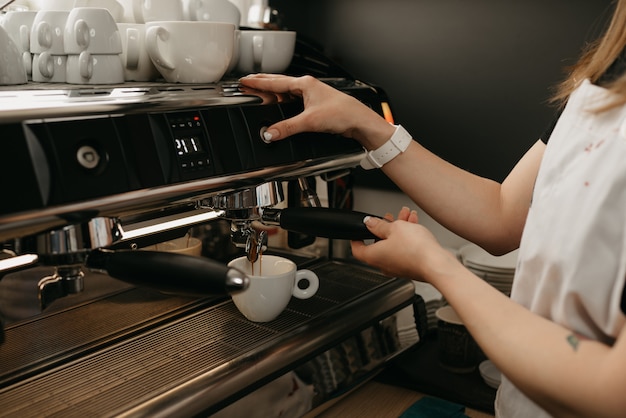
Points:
x=468 y=78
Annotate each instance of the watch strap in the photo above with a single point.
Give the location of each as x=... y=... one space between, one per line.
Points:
x=397 y=144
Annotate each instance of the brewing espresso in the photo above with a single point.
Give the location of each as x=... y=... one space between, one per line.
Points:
x=252 y=263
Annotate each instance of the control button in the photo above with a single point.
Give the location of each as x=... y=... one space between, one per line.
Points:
x=88 y=157
x=262 y=134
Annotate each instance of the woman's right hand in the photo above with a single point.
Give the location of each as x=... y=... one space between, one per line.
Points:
x=326 y=109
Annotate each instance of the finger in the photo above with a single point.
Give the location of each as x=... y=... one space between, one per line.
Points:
x=276 y=83
x=286 y=128
x=389 y=216
x=413 y=217
x=379 y=227
x=404 y=213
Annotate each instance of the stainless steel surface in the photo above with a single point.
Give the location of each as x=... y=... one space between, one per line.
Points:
x=6 y=3
x=184 y=366
x=130 y=203
x=242 y=208
x=98 y=232
x=51 y=100
x=251 y=198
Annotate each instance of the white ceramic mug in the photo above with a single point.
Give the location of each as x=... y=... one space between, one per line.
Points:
x=235 y=58
x=12 y=71
x=113 y=6
x=65 y=5
x=265 y=51
x=18 y=25
x=47 y=32
x=137 y=63
x=211 y=10
x=88 y=68
x=190 y=52
x=184 y=245
x=128 y=15
x=272 y=284
x=146 y=11
x=48 y=68
x=91 y=29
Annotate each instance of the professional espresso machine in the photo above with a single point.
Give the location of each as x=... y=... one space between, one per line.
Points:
x=93 y=174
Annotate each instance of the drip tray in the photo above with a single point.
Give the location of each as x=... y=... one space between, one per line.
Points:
x=137 y=354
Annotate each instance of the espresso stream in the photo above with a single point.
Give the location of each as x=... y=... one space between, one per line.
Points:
x=252 y=263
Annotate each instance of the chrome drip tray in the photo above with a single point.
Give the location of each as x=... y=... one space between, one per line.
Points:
x=183 y=357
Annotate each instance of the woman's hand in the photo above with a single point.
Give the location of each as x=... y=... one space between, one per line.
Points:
x=406 y=249
x=326 y=109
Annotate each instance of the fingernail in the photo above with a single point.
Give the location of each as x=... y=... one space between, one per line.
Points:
x=366 y=219
x=270 y=134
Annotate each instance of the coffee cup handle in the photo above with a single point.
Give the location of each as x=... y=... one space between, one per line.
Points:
x=138 y=11
x=81 y=33
x=153 y=34
x=27 y=60
x=25 y=38
x=85 y=65
x=46 y=64
x=257 y=53
x=44 y=34
x=132 y=48
x=311 y=289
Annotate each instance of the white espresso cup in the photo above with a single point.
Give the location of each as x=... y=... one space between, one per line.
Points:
x=18 y=25
x=146 y=11
x=12 y=71
x=211 y=10
x=235 y=58
x=113 y=6
x=137 y=63
x=48 y=68
x=272 y=284
x=190 y=52
x=65 y=5
x=88 y=68
x=91 y=29
x=265 y=51
x=128 y=15
x=47 y=32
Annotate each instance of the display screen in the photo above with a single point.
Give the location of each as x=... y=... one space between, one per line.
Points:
x=188 y=146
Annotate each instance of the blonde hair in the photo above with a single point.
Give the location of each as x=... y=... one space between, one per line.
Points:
x=597 y=57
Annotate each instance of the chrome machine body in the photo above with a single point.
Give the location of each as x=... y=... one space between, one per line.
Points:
x=95 y=171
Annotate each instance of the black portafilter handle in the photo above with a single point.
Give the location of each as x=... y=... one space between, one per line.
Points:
x=321 y=222
x=172 y=273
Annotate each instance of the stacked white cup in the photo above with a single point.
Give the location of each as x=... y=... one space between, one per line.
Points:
x=18 y=25
x=46 y=44
x=93 y=46
x=135 y=59
x=13 y=72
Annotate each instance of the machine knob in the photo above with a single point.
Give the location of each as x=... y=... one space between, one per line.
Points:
x=88 y=157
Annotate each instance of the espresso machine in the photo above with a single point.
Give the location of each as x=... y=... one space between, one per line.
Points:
x=93 y=174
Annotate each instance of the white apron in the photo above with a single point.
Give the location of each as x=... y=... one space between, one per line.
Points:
x=572 y=257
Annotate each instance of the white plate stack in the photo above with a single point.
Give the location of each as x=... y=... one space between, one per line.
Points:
x=495 y=270
x=490 y=374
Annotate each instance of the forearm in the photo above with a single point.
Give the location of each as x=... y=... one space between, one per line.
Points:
x=552 y=366
x=470 y=206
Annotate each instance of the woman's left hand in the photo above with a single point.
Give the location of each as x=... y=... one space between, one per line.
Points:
x=405 y=249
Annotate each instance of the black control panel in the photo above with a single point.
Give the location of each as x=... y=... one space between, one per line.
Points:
x=60 y=161
x=191 y=149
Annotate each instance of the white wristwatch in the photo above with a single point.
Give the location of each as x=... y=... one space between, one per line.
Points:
x=397 y=144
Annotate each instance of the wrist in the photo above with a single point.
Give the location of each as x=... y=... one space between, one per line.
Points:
x=394 y=146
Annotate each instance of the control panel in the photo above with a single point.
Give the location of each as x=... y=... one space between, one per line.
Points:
x=190 y=145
